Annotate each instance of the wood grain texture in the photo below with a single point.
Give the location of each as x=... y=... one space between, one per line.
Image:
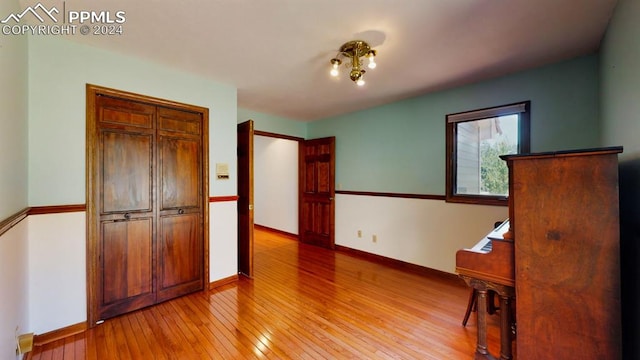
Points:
x=304 y=302
x=567 y=254
x=495 y=266
x=223 y=282
x=57 y=209
x=246 y=213
x=399 y=264
x=316 y=180
x=280 y=232
x=277 y=136
x=147 y=160
x=223 y=198
x=59 y=334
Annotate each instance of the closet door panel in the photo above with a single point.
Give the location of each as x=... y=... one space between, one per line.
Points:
x=179 y=169
x=180 y=253
x=127 y=260
x=126 y=172
x=180 y=248
x=126 y=243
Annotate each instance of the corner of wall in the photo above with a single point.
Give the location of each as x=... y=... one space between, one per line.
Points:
x=14 y=311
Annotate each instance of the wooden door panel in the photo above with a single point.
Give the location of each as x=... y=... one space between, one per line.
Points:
x=245 y=133
x=180 y=255
x=317 y=222
x=324 y=175
x=309 y=184
x=126 y=172
x=127 y=263
x=124 y=112
x=179 y=173
x=317 y=177
x=180 y=247
x=177 y=121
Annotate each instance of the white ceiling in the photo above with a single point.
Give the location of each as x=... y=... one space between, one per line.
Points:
x=277 y=52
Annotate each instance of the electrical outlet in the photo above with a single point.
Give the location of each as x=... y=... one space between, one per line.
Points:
x=374 y=238
x=359 y=233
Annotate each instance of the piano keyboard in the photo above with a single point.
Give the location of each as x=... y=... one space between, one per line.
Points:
x=484 y=245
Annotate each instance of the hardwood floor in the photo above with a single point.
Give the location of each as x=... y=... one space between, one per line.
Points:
x=303 y=303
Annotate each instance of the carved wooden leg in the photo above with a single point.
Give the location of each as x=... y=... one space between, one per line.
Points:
x=505 y=327
x=481 y=348
x=471 y=306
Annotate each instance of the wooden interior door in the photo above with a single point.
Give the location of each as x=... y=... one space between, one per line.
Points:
x=180 y=239
x=317 y=192
x=147 y=187
x=126 y=213
x=245 y=198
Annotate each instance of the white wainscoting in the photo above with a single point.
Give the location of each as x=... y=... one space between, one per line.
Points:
x=57 y=271
x=55 y=246
x=417 y=231
x=223 y=240
x=13 y=288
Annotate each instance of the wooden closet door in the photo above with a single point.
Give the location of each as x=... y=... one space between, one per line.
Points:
x=126 y=206
x=146 y=213
x=180 y=233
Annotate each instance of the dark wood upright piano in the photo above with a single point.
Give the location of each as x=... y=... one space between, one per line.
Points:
x=489 y=266
x=559 y=259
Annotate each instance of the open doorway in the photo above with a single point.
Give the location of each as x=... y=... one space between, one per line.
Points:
x=267 y=187
x=314 y=194
x=276 y=183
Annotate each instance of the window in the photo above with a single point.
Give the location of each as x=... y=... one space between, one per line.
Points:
x=475 y=140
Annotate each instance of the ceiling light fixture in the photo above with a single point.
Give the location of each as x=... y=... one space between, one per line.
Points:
x=354 y=51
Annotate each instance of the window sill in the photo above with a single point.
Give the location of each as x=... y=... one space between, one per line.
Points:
x=478 y=200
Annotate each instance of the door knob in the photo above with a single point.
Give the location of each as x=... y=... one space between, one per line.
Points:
x=180 y=211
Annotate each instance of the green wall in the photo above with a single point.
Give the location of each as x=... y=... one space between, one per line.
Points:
x=58 y=73
x=13 y=119
x=272 y=123
x=620 y=57
x=620 y=99
x=400 y=147
x=14 y=292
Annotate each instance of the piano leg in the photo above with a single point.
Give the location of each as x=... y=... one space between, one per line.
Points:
x=507 y=294
x=505 y=327
x=482 y=353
